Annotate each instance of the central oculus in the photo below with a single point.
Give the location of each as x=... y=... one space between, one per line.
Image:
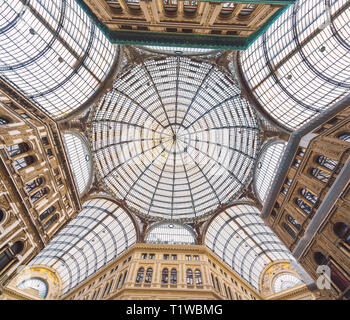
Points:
x=174 y=138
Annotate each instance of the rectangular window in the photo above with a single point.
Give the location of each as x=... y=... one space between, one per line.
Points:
x=151 y=255
x=188 y=258
x=174 y=257
x=166 y=257
x=144 y=256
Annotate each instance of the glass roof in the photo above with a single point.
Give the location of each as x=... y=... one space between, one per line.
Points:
x=99 y=234
x=267 y=166
x=52 y=53
x=241 y=239
x=301 y=65
x=285 y=281
x=170 y=233
x=174 y=138
x=179 y=50
x=79 y=160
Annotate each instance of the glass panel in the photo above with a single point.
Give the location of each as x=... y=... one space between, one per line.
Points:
x=171 y=234
x=79 y=160
x=267 y=167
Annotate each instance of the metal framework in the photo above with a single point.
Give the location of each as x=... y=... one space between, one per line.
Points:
x=266 y=168
x=99 y=234
x=53 y=53
x=174 y=138
x=79 y=159
x=170 y=233
x=301 y=64
x=243 y=241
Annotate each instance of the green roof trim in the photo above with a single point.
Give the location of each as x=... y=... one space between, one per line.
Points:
x=148 y=38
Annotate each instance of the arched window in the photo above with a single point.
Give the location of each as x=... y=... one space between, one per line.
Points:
x=308 y=195
x=296 y=163
x=190 y=7
x=49 y=222
x=218 y=284
x=229 y=292
x=294 y=222
x=110 y=287
x=23 y=162
x=39 y=194
x=17 y=247
x=247 y=9
x=189 y=276
x=8 y=255
x=3 y=121
x=301 y=151
x=303 y=206
x=119 y=280
x=227 y=9
x=213 y=280
x=320 y=174
x=2 y=216
x=139 y=276
x=320 y=258
x=226 y=293
x=173 y=276
x=46 y=213
x=327 y=163
x=344 y=136
x=105 y=290
x=289 y=230
x=125 y=274
x=198 y=276
x=17 y=149
x=342 y=230
x=165 y=275
x=33 y=184
x=148 y=277
x=170 y=6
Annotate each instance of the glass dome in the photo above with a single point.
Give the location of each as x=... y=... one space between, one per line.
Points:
x=174 y=138
x=285 y=281
x=170 y=233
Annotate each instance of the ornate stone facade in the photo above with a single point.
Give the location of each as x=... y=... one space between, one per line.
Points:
x=233 y=20
x=38 y=194
x=311 y=189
